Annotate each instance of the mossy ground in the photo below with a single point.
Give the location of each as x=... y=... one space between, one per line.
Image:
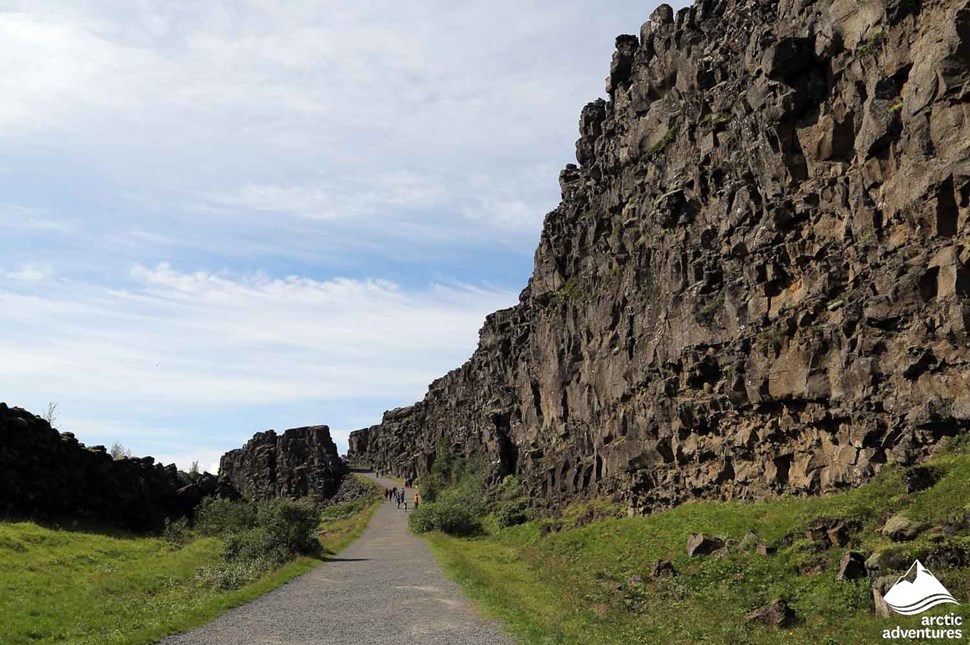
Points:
x=579 y=585
x=65 y=586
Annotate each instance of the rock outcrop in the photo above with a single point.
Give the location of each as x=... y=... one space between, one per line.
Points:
x=756 y=282
x=302 y=462
x=50 y=476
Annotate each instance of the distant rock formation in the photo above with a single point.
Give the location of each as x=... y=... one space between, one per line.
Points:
x=301 y=462
x=757 y=280
x=48 y=475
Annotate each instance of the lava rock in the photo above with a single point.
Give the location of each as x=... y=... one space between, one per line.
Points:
x=852 y=566
x=700 y=544
x=920 y=478
x=49 y=476
x=663 y=569
x=774 y=614
x=302 y=462
x=900 y=528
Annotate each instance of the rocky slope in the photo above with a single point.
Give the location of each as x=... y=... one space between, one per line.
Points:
x=299 y=463
x=48 y=475
x=757 y=279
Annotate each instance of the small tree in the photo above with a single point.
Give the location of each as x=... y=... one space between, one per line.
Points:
x=50 y=414
x=118 y=451
x=194 y=471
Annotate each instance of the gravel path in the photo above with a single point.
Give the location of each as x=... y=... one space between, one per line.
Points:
x=385 y=589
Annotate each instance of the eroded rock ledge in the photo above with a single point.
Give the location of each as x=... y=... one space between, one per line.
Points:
x=757 y=279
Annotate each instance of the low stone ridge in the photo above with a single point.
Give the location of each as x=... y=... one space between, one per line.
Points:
x=757 y=280
x=50 y=476
x=301 y=462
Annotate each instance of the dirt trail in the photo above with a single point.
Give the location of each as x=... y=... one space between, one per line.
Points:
x=385 y=588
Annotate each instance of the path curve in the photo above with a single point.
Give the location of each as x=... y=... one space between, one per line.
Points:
x=384 y=589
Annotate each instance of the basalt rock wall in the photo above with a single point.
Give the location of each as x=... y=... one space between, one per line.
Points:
x=302 y=462
x=48 y=475
x=757 y=280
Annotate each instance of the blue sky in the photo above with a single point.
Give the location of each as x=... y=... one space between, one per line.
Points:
x=218 y=218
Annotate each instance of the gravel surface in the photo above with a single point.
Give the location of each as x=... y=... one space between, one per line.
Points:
x=385 y=589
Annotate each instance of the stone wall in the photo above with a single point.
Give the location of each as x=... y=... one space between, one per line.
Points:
x=301 y=462
x=50 y=476
x=756 y=282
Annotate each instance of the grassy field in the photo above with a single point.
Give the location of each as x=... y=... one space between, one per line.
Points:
x=61 y=586
x=593 y=584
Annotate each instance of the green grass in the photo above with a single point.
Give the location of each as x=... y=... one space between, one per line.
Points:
x=342 y=524
x=578 y=585
x=59 y=586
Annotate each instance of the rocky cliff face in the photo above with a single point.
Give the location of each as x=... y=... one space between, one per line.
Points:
x=299 y=463
x=48 y=475
x=757 y=279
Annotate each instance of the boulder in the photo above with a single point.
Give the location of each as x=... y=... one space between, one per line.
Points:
x=852 y=566
x=774 y=614
x=881 y=586
x=900 y=528
x=700 y=544
x=920 y=478
x=663 y=569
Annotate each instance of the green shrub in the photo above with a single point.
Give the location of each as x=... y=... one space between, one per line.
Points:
x=449 y=515
x=445 y=471
x=511 y=513
x=254 y=544
x=222 y=516
x=258 y=539
x=455 y=517
x=424 y=518
x=291 y=525
x=176 y=531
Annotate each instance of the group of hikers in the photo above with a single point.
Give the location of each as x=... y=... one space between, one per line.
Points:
x=399 y=495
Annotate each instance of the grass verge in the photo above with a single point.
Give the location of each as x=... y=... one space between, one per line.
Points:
x=591 y=582
x=61 y=586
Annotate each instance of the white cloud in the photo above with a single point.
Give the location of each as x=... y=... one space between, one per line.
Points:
x=302 y=107
x=29 y=273
x=22 y=218
x=201 y=338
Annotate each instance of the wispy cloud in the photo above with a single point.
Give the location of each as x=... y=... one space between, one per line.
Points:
x=29 y=273
x=202 y=341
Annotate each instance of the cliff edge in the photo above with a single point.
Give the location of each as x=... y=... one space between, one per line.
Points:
x=756 y=281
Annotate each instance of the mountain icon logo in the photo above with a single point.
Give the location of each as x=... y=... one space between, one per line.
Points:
x=914 y=597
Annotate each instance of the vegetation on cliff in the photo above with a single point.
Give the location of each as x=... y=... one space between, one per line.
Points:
x=590 y=575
